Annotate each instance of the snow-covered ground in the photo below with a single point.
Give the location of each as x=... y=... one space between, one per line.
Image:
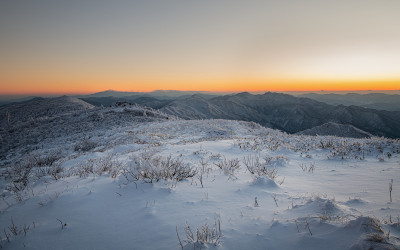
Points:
x=113 y=191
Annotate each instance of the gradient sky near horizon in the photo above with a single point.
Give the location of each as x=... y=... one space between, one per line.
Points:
x=84 y=46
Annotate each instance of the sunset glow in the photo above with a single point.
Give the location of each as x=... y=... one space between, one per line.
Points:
x=73 y=47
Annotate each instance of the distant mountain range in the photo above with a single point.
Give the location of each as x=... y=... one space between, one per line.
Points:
x=155 y=99
x=380 y=101
x=155 y=93
x=275 y=110
x=285 y=112
x=373 y=100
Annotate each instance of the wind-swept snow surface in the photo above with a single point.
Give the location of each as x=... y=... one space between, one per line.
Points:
x=213 y=184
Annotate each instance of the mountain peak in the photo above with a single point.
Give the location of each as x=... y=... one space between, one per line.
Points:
x=244 y=94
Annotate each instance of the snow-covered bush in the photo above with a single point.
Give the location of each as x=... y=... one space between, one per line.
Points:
x=229 y=167
x=98 y=167
x=47 y=159
x=30 y=168
x=307 y=167
x=258 y=168
x=151 y=169
x=278 y=161
x=108 y=165
x=85 y=145
x=375 y=237
x=14 y=230
x=19 y=176
x=54 y=170
x=84 y=169
x=254 y=165
x=206 y=234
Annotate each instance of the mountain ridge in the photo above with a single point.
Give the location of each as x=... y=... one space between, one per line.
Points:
x=274 y=110
x=381 y=101
x=285 y=112
x=335 y=129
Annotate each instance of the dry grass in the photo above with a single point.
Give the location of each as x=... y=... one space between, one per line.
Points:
x=206 y=234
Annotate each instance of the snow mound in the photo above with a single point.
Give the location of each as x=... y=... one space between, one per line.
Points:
x=264 y=182
x=364 y=224
x=198 y=245
x=278 y=161
x=355 y=201
x=322 y=207
x=371 y=233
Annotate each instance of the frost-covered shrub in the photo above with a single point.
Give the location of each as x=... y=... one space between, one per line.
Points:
x=278 y=161
x=92 y=166
x=85 y=145
x=19 y=175
x=32 y=167
x=215 y=156
x=151 y=169
x=108 y=165
x=375 y=237
x=259 y=168
x=307 y=167
x=103 y=165
x=116 y=169
x=98 y=116
x=45 y=160
x=206 y=234
x=254 y=165
x=15 y=230
x=54 y=170
x=229 y=167
x=84 y=169
x=98 y=167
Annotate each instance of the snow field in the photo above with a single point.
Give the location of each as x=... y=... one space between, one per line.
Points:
x=317 y=200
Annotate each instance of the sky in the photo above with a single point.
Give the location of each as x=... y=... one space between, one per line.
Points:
x=86 y=46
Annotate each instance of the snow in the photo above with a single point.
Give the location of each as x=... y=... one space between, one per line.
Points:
x=329 y=192
x=331 y=128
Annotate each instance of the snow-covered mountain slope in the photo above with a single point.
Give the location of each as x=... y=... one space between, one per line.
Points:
x=194 y=107
x=40 y=107
x=39 y=122
x=285 y=112
x=335 y=129
x=140 y=182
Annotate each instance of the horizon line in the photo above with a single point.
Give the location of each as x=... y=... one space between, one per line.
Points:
x=38 y=94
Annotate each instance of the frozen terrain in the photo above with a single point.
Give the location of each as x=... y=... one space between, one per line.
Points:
x=334 y=129
x=134 y=178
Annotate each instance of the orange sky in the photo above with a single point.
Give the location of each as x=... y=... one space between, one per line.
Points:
x=87 y=88
x=84 y=47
